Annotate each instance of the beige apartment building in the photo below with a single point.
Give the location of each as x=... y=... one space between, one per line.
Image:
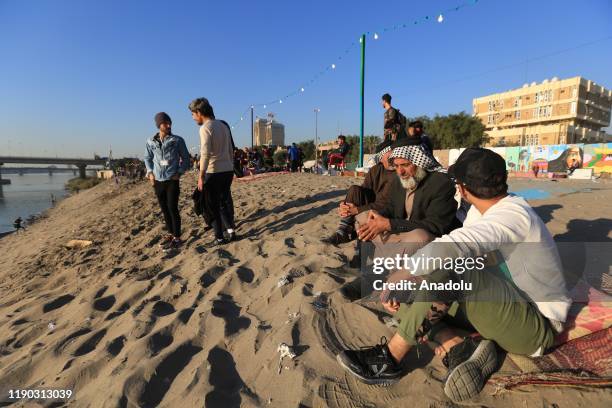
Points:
x=268 y=132
x=555 y=111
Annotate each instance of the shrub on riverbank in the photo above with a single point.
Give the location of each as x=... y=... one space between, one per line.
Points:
x=76 y=184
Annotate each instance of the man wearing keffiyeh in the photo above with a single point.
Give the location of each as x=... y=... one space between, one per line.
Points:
x=372 y=194
x=420 y=209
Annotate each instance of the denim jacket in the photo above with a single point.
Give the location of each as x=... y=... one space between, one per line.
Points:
x=173 y=150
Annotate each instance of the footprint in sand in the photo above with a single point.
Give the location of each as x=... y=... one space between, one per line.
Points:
x=162 y=308
x=90 y=344
x=154 y=390
x=115 y=346
x=225 y=379
x=210 y=276
x=226 y=308
x=245 y=274
x=159 y=341
x=57 y=303
x=104 y=304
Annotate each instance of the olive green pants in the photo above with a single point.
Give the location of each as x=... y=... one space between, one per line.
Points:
x=494 y=307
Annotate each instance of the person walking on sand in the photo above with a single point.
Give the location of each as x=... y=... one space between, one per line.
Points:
x=18 y=224
x=216 y=168
x=167 y=159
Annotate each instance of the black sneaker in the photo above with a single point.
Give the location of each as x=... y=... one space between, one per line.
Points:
x=470 y=364
x=371 y=365
x=229 y=236
x=339 y=238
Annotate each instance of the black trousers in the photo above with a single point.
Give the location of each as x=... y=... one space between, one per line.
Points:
x=168 y=193
x=219 y=186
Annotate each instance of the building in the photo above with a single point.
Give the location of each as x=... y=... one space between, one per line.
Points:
x=268 y=131
x=563 y=111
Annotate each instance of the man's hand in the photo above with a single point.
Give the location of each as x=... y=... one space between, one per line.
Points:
x=347 y=209
x=376 y=225
x=391 y=306
x=200 y=183
x=176 y=177
x=151 y=178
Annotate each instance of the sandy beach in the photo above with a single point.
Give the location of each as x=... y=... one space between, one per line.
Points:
x=122 y=324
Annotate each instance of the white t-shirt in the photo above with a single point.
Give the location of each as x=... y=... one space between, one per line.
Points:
x=513 y=228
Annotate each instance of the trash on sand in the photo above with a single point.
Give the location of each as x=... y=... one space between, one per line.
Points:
x=285 y=351
x=284 y=280
x=293 y=317
x=51 y=325
x=78 y=243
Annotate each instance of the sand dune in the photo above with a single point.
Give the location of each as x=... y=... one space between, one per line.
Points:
x=123 y=324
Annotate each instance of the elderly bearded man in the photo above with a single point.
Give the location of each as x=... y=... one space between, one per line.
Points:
x=420 y=208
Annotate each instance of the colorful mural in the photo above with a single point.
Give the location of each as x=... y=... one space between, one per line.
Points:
x=552 y=158
x=512 y=154
x=598 y=157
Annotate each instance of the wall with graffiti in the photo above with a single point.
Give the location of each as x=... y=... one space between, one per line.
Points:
x=552 y=158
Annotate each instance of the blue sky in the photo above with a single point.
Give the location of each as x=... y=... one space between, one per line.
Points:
x=78 y=76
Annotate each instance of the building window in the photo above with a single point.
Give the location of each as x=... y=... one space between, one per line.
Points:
x=490 y=106
x=574 y=92
x=574 y=107
x=517 y=114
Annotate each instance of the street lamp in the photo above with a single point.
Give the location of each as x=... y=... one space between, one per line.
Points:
x=316 y=111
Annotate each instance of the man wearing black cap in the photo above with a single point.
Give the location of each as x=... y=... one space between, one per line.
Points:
x=166 y=159
x=372 y=194
x=517 y=297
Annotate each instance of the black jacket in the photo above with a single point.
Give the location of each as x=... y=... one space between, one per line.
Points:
x=201 y=204
x=378 y=179
x=433 y=209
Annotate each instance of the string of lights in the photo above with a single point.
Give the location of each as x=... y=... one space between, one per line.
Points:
x=438 y=17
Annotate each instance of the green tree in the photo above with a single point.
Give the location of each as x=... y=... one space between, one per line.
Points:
x=308 y=148
x=454 y=130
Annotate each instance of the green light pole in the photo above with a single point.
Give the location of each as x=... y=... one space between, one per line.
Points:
x=363 y=44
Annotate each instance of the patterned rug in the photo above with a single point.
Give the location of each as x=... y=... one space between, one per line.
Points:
x=586 y=361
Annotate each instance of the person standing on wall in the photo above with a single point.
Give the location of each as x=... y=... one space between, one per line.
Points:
x=216 y=167
x=167 y=159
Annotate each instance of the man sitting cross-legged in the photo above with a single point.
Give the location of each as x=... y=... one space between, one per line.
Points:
x=372 y=194
x=421 y=206
x=518 y=300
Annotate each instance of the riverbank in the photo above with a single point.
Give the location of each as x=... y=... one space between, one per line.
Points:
x=122 y=324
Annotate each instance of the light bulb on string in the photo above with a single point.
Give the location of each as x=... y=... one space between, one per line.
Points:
x=376 y=36
x=333 y=66
x=301 y=89
x=264 y=106
x=440 y=18
x=280 y=101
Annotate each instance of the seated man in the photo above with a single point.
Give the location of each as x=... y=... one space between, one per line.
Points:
x=420 y=207
x=372 y=194
x=518 y=302
x=338 y=155
x=415 y=130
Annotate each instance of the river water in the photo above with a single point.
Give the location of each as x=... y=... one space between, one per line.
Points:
x=28 y=195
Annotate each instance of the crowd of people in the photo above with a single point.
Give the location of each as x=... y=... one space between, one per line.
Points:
x=409 y=205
